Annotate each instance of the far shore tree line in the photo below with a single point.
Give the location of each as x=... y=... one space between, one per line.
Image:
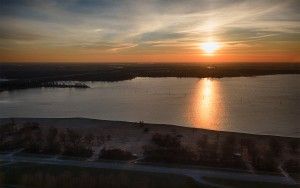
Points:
x=36 y=83
x=163 y=148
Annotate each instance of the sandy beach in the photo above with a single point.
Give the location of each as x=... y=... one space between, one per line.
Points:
x=133 y=136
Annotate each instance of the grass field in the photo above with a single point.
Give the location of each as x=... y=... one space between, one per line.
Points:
x=36 y=176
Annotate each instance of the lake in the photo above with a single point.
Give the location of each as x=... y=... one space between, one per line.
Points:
x=258 y=105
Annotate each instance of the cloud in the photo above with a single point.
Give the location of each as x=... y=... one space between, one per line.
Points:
x=14 y=34
x=146 y=25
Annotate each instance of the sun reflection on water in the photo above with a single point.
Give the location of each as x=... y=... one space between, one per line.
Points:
x=206 y=107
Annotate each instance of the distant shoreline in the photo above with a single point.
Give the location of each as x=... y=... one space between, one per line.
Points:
x=22 y=75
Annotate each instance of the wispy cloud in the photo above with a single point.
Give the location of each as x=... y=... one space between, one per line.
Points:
x=143 y=26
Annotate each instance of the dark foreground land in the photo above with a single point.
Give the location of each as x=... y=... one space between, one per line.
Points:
x=76 y=152
x=57 y=175
x=26 y=75
x=53 y=176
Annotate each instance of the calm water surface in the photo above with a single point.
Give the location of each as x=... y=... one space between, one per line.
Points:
x=261 y=105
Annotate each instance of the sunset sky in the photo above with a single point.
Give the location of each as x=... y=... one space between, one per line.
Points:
x=149 y=30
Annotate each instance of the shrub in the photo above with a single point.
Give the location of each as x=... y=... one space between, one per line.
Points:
x=166 y=140
x=116 y=154
x=265 y=162
x=52 y=145
x=292 y=166
x=167 y=148
x=75 y=145
x=294 y=145
x=275 y=147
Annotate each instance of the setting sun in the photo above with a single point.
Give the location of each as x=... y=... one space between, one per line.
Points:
x=210 y=47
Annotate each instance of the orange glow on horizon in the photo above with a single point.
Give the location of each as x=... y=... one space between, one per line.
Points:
x=173 y=58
